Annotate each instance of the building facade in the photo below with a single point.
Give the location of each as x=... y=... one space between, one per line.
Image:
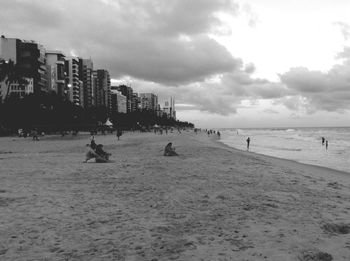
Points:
x=22 y=89
x=29 y=59
x=127 y=91
x=136 y=102
x=149 y=101
x=169 y=108
x=102 y=88
x=86 y=69
x=56 y=74
x=74 y=85
x=119 y=102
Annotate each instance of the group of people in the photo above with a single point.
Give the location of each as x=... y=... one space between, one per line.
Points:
x=96 y=152
x=325 y=142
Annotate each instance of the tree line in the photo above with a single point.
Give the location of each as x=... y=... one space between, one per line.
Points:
x=50 y=112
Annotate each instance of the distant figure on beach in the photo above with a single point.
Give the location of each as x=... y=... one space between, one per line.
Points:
x=119 y=133
x=93 y=143
x=35 y=134
x=326 y=144
x=169 y=150
x=248 y=142
x=323 y=139
x=219 y=134
x=98 y=154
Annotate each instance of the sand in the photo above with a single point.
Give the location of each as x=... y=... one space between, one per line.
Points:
x=210 y=203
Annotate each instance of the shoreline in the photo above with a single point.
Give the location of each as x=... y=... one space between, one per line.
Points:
x=213 y=202
x=340 y=172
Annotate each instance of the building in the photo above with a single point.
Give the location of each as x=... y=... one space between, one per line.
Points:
x=149 y=101
x=29 y=59
x=31 y=64
x=128 y=93
x=136 y=102
x=86 y=69
x=169 y=108
x=74 y=85
x=102 y=88
x=118 y=102
x=8 y=48
x=56 y=74
x=22 y=89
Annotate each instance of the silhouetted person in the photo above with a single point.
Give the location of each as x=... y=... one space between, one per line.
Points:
x=169 y=150
x=323 y=139
x=98 y=154
x=119 y=133
x=326 y=144
x=93 y=143
x=248 y=142
x=219 y=134
x=35 y=135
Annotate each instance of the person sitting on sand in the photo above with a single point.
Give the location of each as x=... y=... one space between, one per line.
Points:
x=102 y=154
x=169 y=150
x=98 y=154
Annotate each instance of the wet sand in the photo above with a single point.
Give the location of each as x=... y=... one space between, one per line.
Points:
x=210 y=203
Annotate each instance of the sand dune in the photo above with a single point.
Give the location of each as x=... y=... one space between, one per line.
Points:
x=210 y=203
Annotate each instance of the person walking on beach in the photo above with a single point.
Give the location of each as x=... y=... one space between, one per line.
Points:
x=323 y=139
x=326 y=144
x=248 y=142
x=119 y=133
x=35 y=134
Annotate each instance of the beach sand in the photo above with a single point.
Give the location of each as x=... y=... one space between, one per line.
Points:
x=210 y=203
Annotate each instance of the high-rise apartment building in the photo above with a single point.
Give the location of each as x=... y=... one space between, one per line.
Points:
x=74 y=84
x=127 y=91
x=31 y=63
x=118 y=102
x=136 y=102
x=29 y=59
x=56 y=75
x=102 y=88
x=86 y=69
x=149 y=101
x=169 y=108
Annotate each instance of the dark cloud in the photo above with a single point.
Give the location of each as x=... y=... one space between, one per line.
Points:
x=164 y=47
x=172 y=61
x=29 y=16
x=158 y=41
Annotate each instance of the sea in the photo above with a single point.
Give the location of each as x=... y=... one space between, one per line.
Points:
x=298 y=144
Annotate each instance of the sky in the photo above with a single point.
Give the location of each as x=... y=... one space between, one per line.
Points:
x=227 y=63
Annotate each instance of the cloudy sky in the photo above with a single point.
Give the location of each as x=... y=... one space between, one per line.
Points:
x=228 y=63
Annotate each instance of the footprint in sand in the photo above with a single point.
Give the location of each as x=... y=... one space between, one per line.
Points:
x=336 y=228
x=314 y=255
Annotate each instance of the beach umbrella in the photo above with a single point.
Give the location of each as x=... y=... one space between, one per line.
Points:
x=108 y=123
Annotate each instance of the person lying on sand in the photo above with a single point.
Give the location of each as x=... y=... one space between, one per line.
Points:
x=98 y=154
x=169 y=150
